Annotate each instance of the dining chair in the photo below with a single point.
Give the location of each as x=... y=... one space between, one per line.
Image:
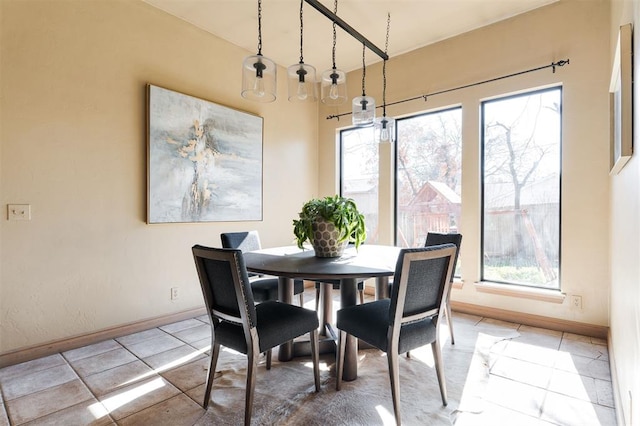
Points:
x=264 y=288
x=434 y=238
x=409 y=319
x=240 y=324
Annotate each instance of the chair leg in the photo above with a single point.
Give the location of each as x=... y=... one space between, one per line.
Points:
x=342 y=341
x=394 y=378
x=362 y=296
x=269 y=359
x=450 y=322
x=301 y=299
x=315 y=356
x=437 y=358
x=317 y=295
x=252 y=364
x=212 y=371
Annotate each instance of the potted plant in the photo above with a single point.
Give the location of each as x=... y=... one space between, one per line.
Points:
x=329 y=224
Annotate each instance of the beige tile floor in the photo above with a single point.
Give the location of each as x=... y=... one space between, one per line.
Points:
x=156 y=377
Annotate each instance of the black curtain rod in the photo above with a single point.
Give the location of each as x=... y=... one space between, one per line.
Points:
x=553 y=65
x=348 y=28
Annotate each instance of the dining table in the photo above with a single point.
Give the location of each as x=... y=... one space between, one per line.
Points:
x=290 y=262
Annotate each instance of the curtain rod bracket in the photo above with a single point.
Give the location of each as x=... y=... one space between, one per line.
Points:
x=560 y=63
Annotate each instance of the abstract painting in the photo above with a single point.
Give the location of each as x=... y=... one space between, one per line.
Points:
x=204 y=160
x=621 y=95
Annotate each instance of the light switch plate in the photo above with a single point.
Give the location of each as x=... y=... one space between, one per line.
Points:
x=18 y=212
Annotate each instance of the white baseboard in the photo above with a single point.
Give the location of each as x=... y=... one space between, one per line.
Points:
x=532 y=320
x=56 y=346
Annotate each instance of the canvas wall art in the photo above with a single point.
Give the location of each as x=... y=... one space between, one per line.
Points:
x=204 y=160
x=621 y=94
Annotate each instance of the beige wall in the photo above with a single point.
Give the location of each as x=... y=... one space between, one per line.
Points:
x=73 y=146
x=625 y=246
x=578 y=31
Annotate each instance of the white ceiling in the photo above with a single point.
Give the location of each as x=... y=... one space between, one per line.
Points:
x=414 y=24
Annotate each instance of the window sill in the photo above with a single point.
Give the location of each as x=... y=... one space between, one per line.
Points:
x=544 y=295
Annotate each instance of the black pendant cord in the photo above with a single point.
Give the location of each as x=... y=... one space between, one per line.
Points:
x=364 y=70
x=301 y=32
x=552 y=65
x=259 y=28
x=333 y=50
x=384 y=70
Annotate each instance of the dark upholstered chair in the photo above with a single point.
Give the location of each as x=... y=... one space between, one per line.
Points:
x=409 y=319
x=264 y=288
x=433 y=239
x=238 y=323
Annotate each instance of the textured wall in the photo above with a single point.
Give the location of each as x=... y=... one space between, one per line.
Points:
x=73 y=145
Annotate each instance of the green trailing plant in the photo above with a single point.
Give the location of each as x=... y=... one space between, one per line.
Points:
x=340 y=211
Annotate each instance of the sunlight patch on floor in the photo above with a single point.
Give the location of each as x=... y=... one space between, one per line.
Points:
x=386 y=417
x=168 y=366
x=117 y=401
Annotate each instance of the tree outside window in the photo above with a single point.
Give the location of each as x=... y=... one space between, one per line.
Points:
x=359 y=174
x=521 y=189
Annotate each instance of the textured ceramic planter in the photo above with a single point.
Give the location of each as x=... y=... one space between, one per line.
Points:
x=325 y=239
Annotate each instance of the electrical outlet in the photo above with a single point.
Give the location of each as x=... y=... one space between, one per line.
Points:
x=18 y=212
x=576 y=302
x=174 y=293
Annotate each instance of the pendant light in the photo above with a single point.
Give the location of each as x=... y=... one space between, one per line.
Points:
x=385 y=126
x=334 y=81
x=363 y=107
x=258 y=72
x=302 y=77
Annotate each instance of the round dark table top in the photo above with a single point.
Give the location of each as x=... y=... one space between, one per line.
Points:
x=290 y=261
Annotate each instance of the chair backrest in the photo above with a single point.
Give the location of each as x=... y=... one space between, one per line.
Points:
x=421 y=282
x=225 y=285
x=245 y=241
x=434 y=239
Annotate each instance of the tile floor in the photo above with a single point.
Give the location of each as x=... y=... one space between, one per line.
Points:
x=156 y=377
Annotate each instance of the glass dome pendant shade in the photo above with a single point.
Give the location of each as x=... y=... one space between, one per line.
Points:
x=302 y=83
x=333 y=82
x=385 y=126
x=259 y=79
x=302 y=77
x=334 y=87
x=259 y=73
x=363 y=108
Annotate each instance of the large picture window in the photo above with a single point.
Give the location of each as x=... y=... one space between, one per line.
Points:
x=428 y=172
x=521 y=141
x=359 y=174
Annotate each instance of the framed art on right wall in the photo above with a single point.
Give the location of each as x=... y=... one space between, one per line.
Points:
x=621 y=101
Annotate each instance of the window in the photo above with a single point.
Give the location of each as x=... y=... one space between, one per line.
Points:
x=521 y=189
x=428 y=168
x=359 y=174
x=428 y=173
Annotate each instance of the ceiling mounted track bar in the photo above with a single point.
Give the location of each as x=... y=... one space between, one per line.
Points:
x=552 y=65
x=348 y=28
